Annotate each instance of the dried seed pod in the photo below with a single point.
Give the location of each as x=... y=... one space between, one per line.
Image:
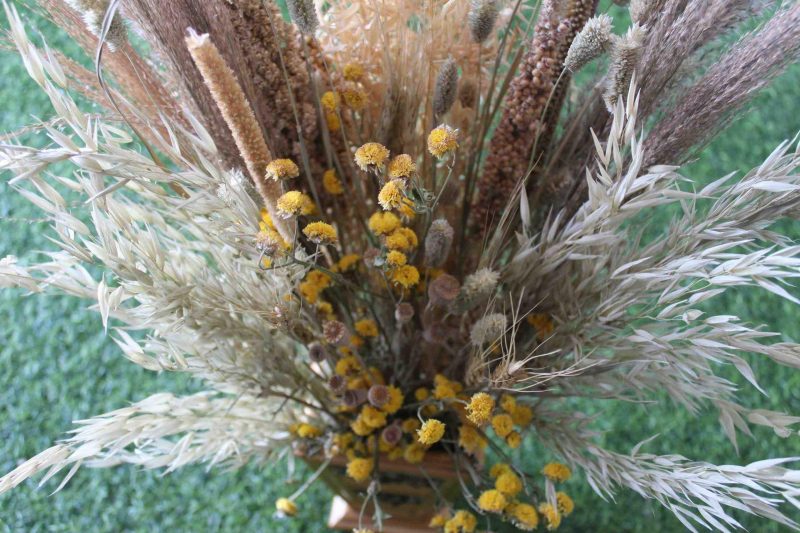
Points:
x=378 y=395
x=334 y=331
x=437 y=243
x=482 y=18
x=488 y=329
x=303 y=15
x=477 y=288
x=468 y=94
x=392 y=434
x=354 y=397
x=93 y=13
x=590 y=43
x=317 y=352
x=624 y=57
x=337 y=384
x=443 y=290
x=404 y=312
x=446 y=89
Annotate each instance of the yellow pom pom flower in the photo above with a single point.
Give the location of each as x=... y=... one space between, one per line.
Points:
x=442 y=140
x=557 y=472
x=551 y=516
x=371 y=157
x=414 y=453
x=402 y=166
x=492 y=501
x=524 y=516
x=480 y=408
x=403 y=239
x=366 y=327
x=462 y=522
x=431 y=432
x=498 y=469
x=353 y=72
x=406 y=276
x=286 y=506
x=395 y=400
x=392 y=195
x=333 y=122
x=507 y=403
x=307 y=431
x=522 y=415
x=514 y=440
x=373 y=417
x=565 y=503
x=396 y=259
x=470 y=440
x=383 y=223
x=330 y=101
x=355 y=99
x=295 y=203
x=348 y=262
x=502 y=425
x=331 y=182
x=282 y=169
x=359 y=469
x=508 y=483
x=320 y=233
x=410 y=425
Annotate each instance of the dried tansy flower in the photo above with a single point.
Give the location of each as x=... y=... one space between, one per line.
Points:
x=371 y=157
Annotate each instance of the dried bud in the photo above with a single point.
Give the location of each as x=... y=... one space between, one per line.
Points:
x=337 y=384
x=477 y=288
x=624 y=57
x=404 y=312
x=378 y=395
x=482 y=18
x=93 y=13
x=334 y=331
x=303 y=14
x=317 y=352
x=446 y=89
x=593 y=40
x=640 y=10
x=468 y=94
x=437 y=242
x=354 y=397
x=392 y=434
x=443 y=290
x=488 y=329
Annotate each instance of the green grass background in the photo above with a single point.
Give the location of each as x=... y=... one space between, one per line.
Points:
x=57 y=365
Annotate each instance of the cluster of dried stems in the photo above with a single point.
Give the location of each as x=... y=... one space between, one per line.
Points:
x=540 y=212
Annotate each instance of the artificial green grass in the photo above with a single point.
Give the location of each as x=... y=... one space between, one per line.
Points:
x=58 y=365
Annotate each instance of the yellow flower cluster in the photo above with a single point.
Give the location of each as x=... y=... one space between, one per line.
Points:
x=557 y=472
x=353 y=72
x=320 y=233
x=282 y=169
x=359 y=469
x=431 y=432
x=480 y=408
x=314 y=283
x=542 y=323
x=442 y=140
x=402 y=166
x=331 y=182
x=371 y=157
x=392 y=195
x=286 y=506
x=295 y=203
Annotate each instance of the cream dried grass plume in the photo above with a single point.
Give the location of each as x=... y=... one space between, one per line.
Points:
x=240 y=119
x=625 y=53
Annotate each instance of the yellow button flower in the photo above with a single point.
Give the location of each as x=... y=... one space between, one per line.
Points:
x=492 y=501
x=371 y=157
x=442 y=140
x=320 y=233
x=557 y=472
x=431 y=432
x=286 y=506
x=331 y=182
x=359 y=469
x=480 y=408
x=282 y=169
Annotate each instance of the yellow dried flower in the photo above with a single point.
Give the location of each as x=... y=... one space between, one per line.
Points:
x=396 y=259
x=551 y=515
x=361 y=428
x=431 y=432
x=403 y=239
x=353 y=72
x=402 y=166
x=514 y=440
x=522 y=415
x=270 y=242
x=355 y=99
x=371 y=157
x=307 y=431
x=373 y=417
x=557 y=472
x=282 y=169
x=421 y=394
x=508 y=483
x=480 y=408
x=286 y=506
x=524 y=516
x=410 y=425
x=542 y=323
x=331 y=182
x=470 y=439
x=320 y=233
x=392 y=195
x=330 y=100
x=414 y=453
x=444 y=389
x=565 y=503
x=502 y=425
x=366 y=327
x=347 y=262
x=438 y=520
x=332 y=119
x=348 y=366
x=395 y=400
x=359 y=469
x=442 y=140
x=406 y=276
x=383 y=223
x=507 y=403
x=462 y=522
x=498 y=469
x=407 y=209
x=295 y=203
x=492 y=501
x=324 y=308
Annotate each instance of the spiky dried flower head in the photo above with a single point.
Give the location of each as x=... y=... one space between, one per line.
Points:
x=317 y=352
x=372 y=157
x=383 y=222
x=320 y=233
x=93 y=12
x=334 y=331
x=488 y=329
x=270 y=243
x=282 y=169
x=378 y=395
x=446 y=88
x=404 y=312
x=431 y=432
x=438 y=242
x=443 y=290
x=401 y=166
x=625 y=53
x=353 y=72
x=442 y=140
x=590 y=43
x=303 y=14
x=294 y=203
x=468 y=94
x=482 y=18
x=331 y=182
x=392 y=194
x=477 y=288
x=355 y=99
x=479 y=408
x=640 y=10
